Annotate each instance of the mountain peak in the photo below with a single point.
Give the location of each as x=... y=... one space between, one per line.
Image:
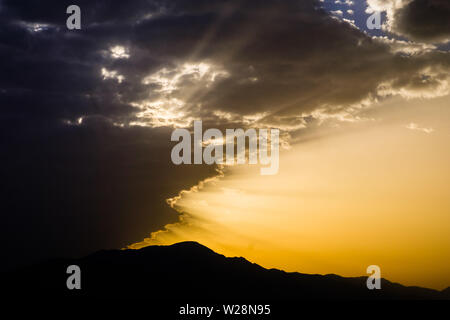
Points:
x=190 y=245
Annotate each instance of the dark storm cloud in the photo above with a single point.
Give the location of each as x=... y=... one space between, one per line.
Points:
x=280 y=56
x=424 y=20
x=72 y=187
x=69 y=188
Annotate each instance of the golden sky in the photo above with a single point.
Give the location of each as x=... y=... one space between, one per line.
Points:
x=371 y=192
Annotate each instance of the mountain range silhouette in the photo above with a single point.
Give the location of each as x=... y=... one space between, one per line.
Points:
x=189 y=270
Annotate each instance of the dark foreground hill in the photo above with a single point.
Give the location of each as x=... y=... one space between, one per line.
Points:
x=190 y=271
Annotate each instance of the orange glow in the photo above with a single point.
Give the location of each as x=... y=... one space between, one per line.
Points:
x=374 y=193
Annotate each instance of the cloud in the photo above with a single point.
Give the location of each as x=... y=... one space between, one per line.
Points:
x=119 y=52
x=424 y=20
x=416 y=127
x=418 y=20
x=347 y=2
x=203 y=58
x=429 y=82
x=112 y=74
x=70 y=189
x=337 y=12
x=406 y=47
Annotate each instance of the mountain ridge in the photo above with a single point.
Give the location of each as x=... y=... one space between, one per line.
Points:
x=189 y=269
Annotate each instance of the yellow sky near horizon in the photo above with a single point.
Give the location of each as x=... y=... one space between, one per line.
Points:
x=375 y=192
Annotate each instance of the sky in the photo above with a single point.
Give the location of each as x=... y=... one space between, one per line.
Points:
x=363 y=116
